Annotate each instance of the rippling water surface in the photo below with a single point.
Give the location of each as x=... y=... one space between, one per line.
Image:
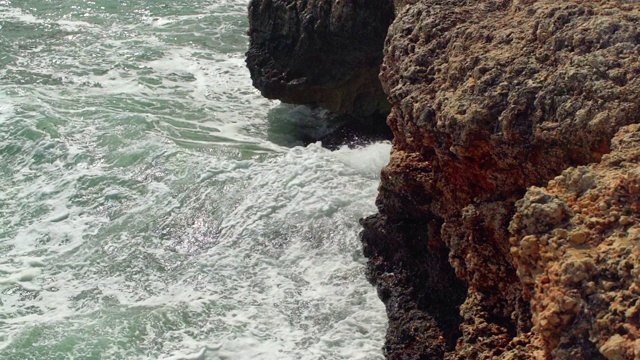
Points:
x=153 y=205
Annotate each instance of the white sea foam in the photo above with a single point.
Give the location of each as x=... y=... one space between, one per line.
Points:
x=6 y=109
x=20 y=15
x=148 y=214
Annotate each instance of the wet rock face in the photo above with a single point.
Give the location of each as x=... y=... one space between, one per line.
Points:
x=421 y=292
x=320 y=52
x=488 y=99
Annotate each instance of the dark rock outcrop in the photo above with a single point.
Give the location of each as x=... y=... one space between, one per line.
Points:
x=320 y=52
x=474 y=252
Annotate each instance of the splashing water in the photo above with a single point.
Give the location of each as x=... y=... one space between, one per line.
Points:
x=153 y=205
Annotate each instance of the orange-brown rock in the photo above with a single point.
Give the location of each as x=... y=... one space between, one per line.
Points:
x=581 y=270
x=490 y=98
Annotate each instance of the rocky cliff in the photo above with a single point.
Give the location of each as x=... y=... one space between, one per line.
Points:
x=507 y=224
x=319 y=52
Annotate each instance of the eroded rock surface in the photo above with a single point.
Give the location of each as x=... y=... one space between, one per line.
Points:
x=320 y=52
x=490 y=98
x=577 y=253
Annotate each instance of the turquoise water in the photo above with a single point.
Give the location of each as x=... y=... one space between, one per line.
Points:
x=154 y=206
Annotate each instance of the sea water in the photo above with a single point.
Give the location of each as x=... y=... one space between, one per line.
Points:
x=154 y=206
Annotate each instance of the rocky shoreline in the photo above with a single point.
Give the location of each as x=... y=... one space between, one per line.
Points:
x=508 y=214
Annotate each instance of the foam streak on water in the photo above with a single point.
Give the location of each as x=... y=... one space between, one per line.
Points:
x=153 y=205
